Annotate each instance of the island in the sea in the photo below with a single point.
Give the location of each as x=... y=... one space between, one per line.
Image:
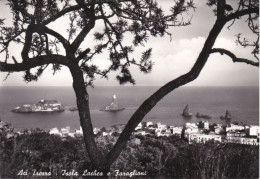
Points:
x=113 y=106
x=41 y=106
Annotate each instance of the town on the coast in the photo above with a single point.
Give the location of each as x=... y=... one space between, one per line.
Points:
x=200 y=132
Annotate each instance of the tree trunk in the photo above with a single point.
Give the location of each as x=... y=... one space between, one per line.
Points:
x=82 y=98
x=149 y=103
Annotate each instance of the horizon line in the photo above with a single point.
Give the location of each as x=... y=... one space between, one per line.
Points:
x=131 y=86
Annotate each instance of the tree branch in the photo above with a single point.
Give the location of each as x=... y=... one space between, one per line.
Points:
x=233 y=56
x=79 y=6
x=27 y=43
x=61 y=13
x=83 y=54
x=81 y=36
x=34 y=62
x=241 y=13
x=221 y=8
x=10 y=40
x=94 y=153
x=55 y=34
x=23 y=11
x=150 y=102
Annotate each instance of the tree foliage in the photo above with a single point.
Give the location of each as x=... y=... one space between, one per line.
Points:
x=141 y=19
x=166 y=157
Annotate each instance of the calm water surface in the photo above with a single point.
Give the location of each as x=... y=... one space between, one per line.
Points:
x=241 y=101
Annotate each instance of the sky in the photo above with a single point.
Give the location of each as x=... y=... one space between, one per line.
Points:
x=171 y=57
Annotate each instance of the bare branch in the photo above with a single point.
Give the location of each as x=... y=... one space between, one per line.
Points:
x=15 y=61
x=233 y=56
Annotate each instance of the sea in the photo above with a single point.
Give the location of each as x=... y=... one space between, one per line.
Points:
x=242 y=102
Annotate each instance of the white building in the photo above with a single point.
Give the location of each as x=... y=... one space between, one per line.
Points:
x=161 y=126
x=202 y=138
x=191 y=128
x=233 y=139
x=104 y=133
x=191 y=125
x=158 y=134
x=79 y=132
x=177 y=130
x=254 y=131
x=236 y=134
x=71 y=134
x=206 y=124
x=140 y=132
x=242 y=140
x=96 y=131
x=218 y=129
x=139 y=126
x=249 y=141
x=55 y=131
x=65 y=131
x=234 y=127
x=149 y=123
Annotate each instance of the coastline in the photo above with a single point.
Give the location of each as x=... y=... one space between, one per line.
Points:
x=214 y=101
x=200 y=132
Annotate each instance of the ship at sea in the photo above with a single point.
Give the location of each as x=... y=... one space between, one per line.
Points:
x=227 y=116
x=113 y=106
x=186 y=112
x=41 y=106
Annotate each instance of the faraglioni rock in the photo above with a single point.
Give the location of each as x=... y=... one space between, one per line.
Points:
x=227 y=116
x=113 y=106
x=186 y=112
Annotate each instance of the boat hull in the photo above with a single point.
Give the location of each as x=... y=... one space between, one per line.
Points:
x=225 y=118
x=41 y=111
x=112 y=110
